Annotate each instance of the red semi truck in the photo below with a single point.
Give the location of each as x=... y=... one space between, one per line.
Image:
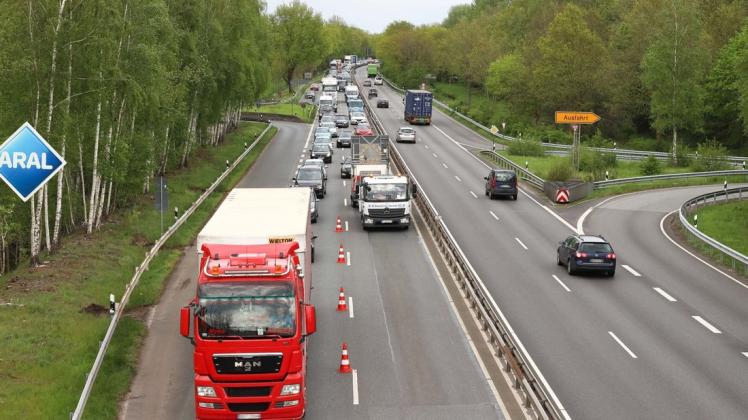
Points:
x=251 y=314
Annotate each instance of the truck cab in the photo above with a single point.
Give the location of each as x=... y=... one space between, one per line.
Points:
x=248 y=322
x=384 y=201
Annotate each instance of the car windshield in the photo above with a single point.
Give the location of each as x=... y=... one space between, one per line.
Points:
x=407 y=131
x=309 y=174
x=355 y=104
x=595 y=247
x=504 y=176
x=357 y=115
x=321 y=136
x=346 y=135
x=246 y=310
x=386 y=192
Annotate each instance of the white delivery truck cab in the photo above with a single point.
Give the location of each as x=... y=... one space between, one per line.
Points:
x=251 y=216
x=330 y=85
x=385 y=201
x=351 y=92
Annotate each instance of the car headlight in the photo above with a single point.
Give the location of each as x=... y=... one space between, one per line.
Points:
x=292 y=389
x=206 y=391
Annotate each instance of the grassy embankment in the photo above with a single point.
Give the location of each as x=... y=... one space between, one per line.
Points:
x=53 y=317
x=726 y=223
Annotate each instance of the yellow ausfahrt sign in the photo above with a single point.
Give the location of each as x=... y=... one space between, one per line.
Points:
x=570 y=117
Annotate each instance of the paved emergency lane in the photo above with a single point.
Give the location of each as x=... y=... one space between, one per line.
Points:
x=583 y=332
x=411 y=357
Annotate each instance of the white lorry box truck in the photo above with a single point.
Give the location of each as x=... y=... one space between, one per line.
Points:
x=253 y=216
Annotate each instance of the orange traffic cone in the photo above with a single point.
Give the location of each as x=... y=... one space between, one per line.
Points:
x=338 y=226
x=345 y=364
x=341 y=301
x=341 y=255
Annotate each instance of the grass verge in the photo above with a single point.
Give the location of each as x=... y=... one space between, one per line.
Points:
x=292 y=109
x=53 y=317
x=726 y=223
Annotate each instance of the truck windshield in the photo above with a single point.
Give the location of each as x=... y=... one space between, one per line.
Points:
x=246 y=310
x=386 y=192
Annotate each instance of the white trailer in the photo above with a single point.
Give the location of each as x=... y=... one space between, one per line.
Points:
x=252 y=216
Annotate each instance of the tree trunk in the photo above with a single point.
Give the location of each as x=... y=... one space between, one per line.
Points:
x=82 y=180
x=95 y=175
x=47 y=240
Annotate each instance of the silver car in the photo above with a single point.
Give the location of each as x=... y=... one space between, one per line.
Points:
x=406 y=134
x=316 y=162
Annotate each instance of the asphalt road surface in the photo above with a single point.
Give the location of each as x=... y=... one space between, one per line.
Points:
x=610 y=348
x=411 y=357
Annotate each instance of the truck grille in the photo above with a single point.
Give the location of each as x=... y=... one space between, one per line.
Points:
x=386 y=213
x=251 y=407
x=247 y=363
x=259 y=391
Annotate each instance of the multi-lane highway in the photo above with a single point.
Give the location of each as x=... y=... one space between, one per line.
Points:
x=665 y=338
x=410 y=354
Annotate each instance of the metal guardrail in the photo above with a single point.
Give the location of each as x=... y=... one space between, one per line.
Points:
x=142 y=268
x=526 y=377
x=523 y=173
x=739 y=261
x=625 y=154
x=621 y=181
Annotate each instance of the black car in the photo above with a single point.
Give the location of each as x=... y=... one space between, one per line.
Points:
x=344 y=139
x=383 y=103
x=342 y=121
x=586 y=253
x=321 y=151
x=312 y=177
x=373 y=93
x=346 y=167
x=501 y=182
x=313 y=210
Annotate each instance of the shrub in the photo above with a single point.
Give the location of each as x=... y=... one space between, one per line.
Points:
x=711 y=157
x=561 y=170
x=681 y=156
x=525 y=147
x=650 y=166
x=597 y=163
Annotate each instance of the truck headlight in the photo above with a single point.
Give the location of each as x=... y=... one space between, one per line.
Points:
x=404 y=220
x=216 y=406
x=282 y=404
x=369 y=221
x=206 y=391
x=292 y=389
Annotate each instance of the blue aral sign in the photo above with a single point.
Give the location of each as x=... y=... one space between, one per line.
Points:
x=27 y=161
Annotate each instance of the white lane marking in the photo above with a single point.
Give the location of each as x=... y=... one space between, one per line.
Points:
x=435 y=155
x=706 y=324
x=426 y=146
x=561 y=283
x=344 y=182
x=631 y=270
x=521 y=244
x=301 y=160
x=346 y=226
x=745 y=353
x=354 y=377
x=458 y=178
x=345 y=202
x=348 y=258
x=301 y=156
x=494 y=215
x=445 y=166
x=473 y=194
x=618 y=340
x=350 y=306
x=665 y=294
x=544 y=207
x=580 y=222
x=662 y=229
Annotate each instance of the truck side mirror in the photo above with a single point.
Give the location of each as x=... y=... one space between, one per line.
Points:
x=310 y=318
x=185 y=319
x=486 y=178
